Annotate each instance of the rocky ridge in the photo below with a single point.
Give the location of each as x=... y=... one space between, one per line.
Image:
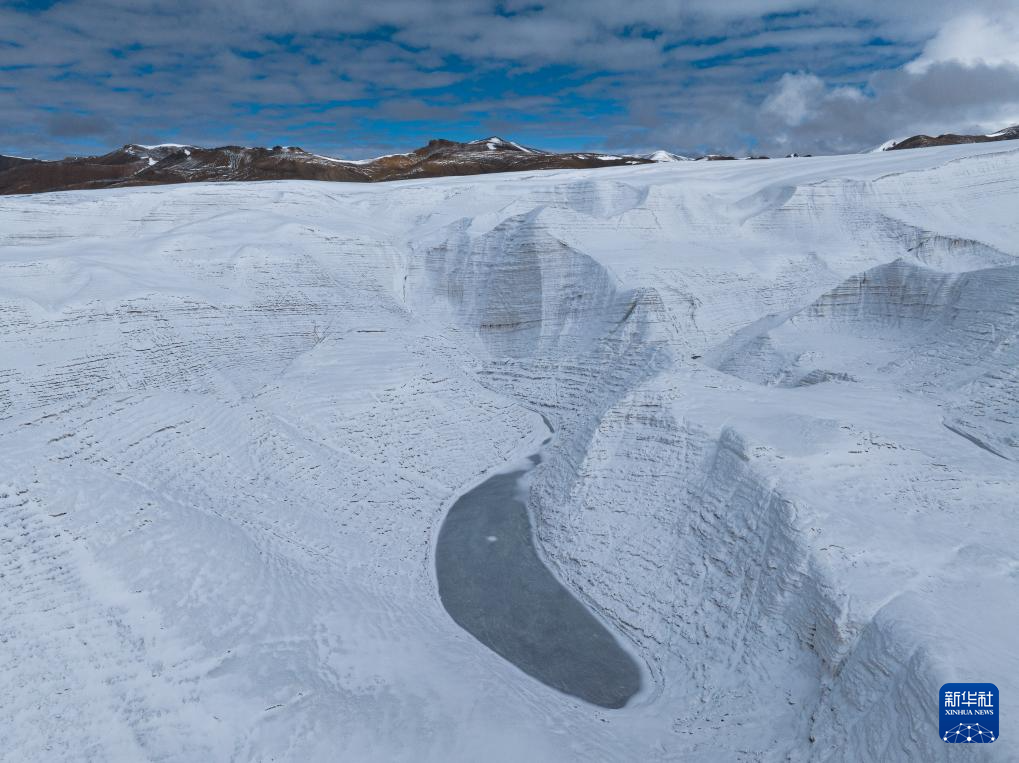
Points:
x=136 y=165
x=951 y=139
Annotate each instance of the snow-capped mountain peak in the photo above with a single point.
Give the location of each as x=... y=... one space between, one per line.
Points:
x=665 y=156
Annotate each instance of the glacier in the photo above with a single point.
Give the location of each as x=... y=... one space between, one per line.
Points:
x=785 y=397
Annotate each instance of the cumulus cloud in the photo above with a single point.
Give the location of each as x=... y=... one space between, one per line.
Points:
x=894 y=104
x=952 y=82
x=966 y=78
x=971 y=40
x=795 y=98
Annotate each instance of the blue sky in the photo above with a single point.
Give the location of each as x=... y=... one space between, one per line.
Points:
x=354 y=79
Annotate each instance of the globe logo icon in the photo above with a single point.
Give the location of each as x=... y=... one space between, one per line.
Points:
x=968 y=732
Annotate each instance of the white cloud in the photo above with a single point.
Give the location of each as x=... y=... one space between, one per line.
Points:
x=970 y=40
x=795 y=97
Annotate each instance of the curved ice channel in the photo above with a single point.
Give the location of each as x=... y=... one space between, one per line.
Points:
x=495 y=586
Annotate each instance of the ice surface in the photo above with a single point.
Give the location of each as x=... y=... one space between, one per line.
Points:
x=493 y=583
x=785 y=396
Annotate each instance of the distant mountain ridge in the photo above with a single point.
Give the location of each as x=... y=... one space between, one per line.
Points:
x=949 y=139
x=136 y=164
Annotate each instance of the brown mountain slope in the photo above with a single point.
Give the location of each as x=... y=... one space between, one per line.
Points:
x=155 y=165
x=925 y=141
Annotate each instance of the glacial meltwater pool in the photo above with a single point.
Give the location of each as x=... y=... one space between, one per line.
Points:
x=495 y=586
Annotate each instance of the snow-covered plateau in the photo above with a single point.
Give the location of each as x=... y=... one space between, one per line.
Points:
x=785 y=403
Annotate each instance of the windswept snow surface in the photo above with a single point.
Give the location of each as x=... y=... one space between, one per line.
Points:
x=786 y=402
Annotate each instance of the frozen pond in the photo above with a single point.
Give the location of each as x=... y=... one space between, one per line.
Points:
x=494 y=585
